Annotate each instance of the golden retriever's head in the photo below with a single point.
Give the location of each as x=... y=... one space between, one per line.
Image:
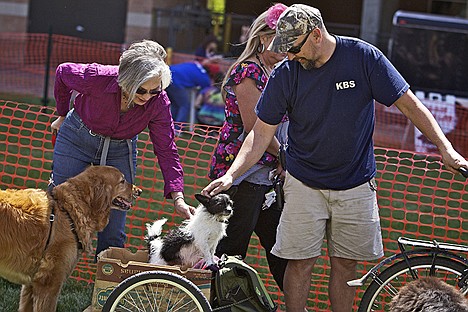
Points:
x=123 y=192
x=106 y=187
x=89 y=196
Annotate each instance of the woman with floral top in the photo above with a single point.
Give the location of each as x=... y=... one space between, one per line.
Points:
x=242 y=87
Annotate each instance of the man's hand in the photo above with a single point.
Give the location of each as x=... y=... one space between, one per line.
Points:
x=217 y=186
x=453 y=160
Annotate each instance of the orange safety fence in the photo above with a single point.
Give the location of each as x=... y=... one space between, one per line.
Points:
x=23 y=59
x=393 y=129
x=417 y=197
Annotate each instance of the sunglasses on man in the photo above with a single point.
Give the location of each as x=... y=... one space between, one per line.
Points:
x=297 y=49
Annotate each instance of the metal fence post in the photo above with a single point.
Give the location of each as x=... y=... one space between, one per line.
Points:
x=45 y=99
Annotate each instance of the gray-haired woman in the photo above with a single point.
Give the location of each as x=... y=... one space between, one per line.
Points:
x=112 y=106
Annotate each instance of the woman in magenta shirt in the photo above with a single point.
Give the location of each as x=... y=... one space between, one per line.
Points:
x=113 y=104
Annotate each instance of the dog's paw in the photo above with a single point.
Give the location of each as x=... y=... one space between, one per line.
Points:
x=212 y=267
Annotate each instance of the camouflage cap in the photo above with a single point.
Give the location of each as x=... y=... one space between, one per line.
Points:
x=296 y=20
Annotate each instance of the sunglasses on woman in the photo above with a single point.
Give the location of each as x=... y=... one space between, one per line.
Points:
x=143 y=91
x=297 y=49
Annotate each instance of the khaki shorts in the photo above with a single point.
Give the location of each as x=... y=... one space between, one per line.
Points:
x=349 y=218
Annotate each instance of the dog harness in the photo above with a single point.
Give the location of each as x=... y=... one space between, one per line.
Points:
x=72 y=225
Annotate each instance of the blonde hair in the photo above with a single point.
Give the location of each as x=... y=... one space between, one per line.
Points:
x=142 y=61
x=258 y=28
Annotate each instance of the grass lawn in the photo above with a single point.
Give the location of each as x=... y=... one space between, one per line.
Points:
x=75 y=296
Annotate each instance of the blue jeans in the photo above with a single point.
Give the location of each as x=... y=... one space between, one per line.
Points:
x=180 y=102
x=75 y=149
x=248 y=217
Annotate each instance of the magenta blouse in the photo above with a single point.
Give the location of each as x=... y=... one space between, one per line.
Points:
x=98 y=105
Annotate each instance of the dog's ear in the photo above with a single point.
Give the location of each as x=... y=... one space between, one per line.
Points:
x=204 y=200
x=231 y=192
x=101 y=198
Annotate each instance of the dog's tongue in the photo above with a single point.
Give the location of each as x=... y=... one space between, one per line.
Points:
x=121 y=203
x=202 y=263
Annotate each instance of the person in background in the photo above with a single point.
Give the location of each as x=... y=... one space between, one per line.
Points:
x=186 y=77
x=210 y=103
x=328 y=86
x=236 y=49
x=112 y=106
x=208 y=49
x=242 y=87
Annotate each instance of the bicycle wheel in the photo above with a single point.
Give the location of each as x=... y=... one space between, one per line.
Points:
x=382 y=289
x=156 y=291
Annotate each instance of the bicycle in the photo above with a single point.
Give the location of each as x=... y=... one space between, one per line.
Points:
x=428 y=258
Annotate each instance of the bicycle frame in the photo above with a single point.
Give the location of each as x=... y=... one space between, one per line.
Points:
x=432 y=248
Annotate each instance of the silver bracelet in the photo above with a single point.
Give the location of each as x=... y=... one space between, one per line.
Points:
x=178 y=197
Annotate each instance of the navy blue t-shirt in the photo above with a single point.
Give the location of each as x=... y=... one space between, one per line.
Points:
x=331 y=113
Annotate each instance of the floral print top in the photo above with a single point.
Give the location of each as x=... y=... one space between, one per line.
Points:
x=232 y=132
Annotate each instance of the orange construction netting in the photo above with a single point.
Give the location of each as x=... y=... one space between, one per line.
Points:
x=24 y=56
x=23 y=60
x=417 y=197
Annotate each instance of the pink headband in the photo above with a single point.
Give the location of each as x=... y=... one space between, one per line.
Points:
x=273 y=14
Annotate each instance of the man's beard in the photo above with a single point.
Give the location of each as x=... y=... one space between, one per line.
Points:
x=308 y=64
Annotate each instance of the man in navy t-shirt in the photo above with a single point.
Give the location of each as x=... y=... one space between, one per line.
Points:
x=328 y=87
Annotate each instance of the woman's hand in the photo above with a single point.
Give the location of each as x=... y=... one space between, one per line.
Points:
x=55 y=126
x=280 y=172
x=183 y=209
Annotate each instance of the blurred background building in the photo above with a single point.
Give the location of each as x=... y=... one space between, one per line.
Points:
x=182 y=24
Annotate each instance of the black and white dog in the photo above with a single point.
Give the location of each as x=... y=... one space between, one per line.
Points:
x=196 y=238
x=428 y=294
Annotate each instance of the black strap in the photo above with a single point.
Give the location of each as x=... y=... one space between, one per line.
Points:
x=51 y=221
x=72 y=225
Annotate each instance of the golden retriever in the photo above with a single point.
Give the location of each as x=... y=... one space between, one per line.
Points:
x=42 y=234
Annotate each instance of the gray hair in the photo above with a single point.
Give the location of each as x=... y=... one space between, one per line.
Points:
x=142 y=61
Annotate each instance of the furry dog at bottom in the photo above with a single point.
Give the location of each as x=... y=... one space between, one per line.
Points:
x=429 y=295
x=44 y=233
x=196 y=238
